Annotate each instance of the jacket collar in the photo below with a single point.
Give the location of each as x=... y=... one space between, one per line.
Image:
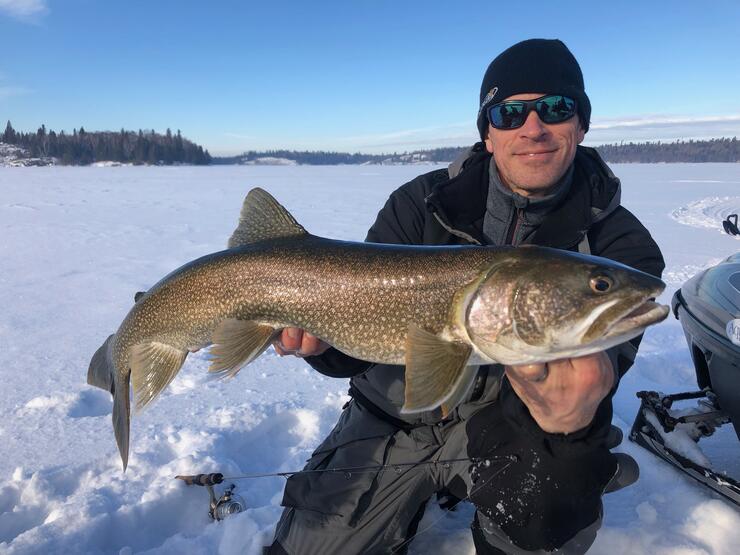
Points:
x=460 y=202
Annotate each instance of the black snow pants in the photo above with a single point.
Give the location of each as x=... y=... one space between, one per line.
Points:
x=527 y=499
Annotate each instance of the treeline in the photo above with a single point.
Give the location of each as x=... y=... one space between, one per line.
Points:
x=82 y=147
x=713 y=150
x=322 y=157
x=311 y=158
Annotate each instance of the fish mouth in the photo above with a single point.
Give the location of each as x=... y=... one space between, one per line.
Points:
x=645 y=314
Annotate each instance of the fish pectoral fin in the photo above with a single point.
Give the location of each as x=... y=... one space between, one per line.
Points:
x=153 y=366
x=465 y=384
x=261 y=218
x=236 y=343
x=436 y=371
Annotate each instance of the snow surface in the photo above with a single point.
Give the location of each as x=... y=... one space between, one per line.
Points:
x=77 y=243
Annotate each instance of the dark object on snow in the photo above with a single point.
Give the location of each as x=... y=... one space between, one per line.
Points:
x=730 y=225
x=708 y=306
x=228 y=504
x=645 y=433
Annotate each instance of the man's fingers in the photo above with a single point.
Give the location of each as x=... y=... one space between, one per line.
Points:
x=290 y=339
x=295 y=341
x=528 y=372
x=311 y=345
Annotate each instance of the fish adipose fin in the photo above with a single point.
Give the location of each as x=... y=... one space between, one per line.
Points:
x=153 y=366
x=436 y=371
x=238 y=342
x=262 y=218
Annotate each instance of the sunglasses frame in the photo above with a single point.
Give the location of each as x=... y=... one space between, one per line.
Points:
x=529 y=106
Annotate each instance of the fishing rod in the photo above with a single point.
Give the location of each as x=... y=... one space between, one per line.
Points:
x=230 y=503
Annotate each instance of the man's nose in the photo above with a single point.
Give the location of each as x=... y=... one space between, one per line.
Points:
x=533 y=127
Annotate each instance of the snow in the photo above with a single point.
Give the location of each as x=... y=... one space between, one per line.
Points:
x=79 y=242
x=270 y=161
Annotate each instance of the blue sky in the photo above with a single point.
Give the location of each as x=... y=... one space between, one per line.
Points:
x=356 y=75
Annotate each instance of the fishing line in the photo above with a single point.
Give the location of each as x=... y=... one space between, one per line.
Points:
x=349 y=470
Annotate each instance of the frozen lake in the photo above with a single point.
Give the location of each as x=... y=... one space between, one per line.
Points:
x=77 y=243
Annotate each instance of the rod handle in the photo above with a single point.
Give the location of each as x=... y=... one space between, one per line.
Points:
x=202 y=479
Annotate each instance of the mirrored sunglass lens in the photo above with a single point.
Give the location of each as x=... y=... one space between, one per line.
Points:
x=508 y=115
x=556 y=108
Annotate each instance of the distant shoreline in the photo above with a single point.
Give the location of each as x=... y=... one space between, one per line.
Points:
x=722 y=150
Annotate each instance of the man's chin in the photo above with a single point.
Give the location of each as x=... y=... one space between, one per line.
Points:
x=536 y=183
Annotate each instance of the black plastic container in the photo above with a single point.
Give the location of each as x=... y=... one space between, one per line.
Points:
x=708 y=307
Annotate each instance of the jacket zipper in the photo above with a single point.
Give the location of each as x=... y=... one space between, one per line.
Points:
x=513 y=227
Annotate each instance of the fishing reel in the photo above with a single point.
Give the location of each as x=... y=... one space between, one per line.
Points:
x=228 y=504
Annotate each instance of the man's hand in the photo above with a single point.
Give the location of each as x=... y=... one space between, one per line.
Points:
x=298 y=342
x=563 y=395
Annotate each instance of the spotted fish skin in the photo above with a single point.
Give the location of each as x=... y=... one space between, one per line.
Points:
x=439 y=310
x=360 y=297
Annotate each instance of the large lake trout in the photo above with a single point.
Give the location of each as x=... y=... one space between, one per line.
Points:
x=440 y=311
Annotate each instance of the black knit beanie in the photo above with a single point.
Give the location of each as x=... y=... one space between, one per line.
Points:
x=533 y=66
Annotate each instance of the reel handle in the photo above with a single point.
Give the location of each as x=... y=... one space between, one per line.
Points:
x=202 y=479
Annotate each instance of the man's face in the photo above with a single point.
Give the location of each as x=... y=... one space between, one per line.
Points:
x=532 y=158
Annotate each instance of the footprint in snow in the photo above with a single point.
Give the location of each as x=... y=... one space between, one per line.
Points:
x=90 y=403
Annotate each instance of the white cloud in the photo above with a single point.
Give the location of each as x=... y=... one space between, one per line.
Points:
x=662 y=128
x=24 y=9
x=453 y=134
x=662 y=121
x=639 y=128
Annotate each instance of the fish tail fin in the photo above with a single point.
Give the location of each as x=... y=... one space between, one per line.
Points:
x=102 y=373
x=122 y=417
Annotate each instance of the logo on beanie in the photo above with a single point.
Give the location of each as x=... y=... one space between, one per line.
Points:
x=489 y=96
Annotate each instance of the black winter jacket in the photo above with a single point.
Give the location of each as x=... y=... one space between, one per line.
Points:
x=447 y=207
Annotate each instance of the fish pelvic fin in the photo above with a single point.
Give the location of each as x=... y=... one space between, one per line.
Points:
x=262 y=218
x=153 y=366
x=101 y=371
x=436 y=372
x=236 y=343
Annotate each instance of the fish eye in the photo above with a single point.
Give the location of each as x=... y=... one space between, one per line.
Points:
x=601 y=284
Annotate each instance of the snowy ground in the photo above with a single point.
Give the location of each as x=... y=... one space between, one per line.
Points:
x=77 y=243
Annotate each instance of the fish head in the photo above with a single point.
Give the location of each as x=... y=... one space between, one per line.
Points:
x=542 y=304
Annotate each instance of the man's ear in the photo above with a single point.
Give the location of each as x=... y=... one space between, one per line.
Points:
x=581 y=131
x=487 y=141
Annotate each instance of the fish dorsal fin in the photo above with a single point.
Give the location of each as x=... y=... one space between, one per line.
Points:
x=237 y=343
x=153 y=366
x=261 y=218
x=436 y=371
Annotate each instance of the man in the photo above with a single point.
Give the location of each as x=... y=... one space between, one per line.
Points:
x=529 y=445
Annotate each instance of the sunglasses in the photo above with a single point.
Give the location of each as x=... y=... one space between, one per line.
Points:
x=553 y=108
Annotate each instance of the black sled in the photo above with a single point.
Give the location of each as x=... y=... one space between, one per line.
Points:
x=708 y=307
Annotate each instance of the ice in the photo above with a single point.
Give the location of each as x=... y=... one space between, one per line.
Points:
x=77 y=243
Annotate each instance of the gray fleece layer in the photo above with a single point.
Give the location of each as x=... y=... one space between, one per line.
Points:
x=509 y=213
